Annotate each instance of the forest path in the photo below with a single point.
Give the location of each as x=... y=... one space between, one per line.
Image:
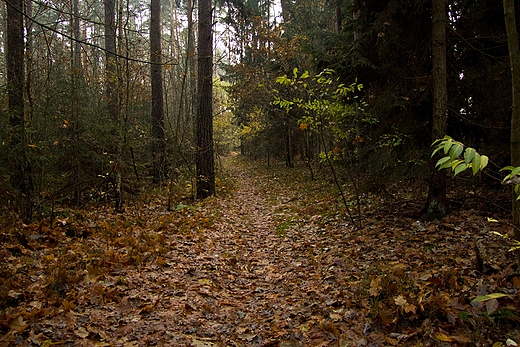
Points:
x=269 y=261
x=259 y=279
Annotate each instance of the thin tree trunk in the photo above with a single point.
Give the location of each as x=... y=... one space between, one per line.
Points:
x=112 y=89
x=111 y=60
x=514 y=56
x=158 y=136
x=436 y=205
x=205 y=160
x=3 y=13
x=29 y=54
x=20 y=169
x=339 y=17
x=192 y=64
x=286 y=10
x=77 y=74
x=77 y=36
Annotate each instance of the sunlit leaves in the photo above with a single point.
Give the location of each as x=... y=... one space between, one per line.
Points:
x=324 y=102
x=453 y=150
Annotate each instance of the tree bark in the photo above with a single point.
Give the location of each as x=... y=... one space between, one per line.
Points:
x=514 y=57
x=112 y=91
x=205 y=160
x=436 y=205
x=20 y=167
x=77 y=37
x=192 y=65
x=158 y=136
x=111 y=62
x=286 y=10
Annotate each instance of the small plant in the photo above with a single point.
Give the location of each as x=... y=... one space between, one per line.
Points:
x=458 y=158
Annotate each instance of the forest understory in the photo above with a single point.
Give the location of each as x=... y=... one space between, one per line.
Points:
x=272 y=260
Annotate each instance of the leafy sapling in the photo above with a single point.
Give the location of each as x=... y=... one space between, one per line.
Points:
x=458 y=158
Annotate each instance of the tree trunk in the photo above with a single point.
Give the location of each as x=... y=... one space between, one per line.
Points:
x=29 y=54
x=339 y=17
x=111 y=63
x=77 y=37
x=286 y=10
x=192 y=64
x=19 y=164
x=205 y=160
x=436 y=205
x=112 y=91
x=158 y=136
x=514 y=56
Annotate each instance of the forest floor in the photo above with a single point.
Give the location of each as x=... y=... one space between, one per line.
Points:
x=273 y=260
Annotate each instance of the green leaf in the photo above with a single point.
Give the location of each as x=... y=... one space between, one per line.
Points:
x=295 y=72
x=446 y=137
x=515 y=171
x=469 y=154
x=488 y=297
x=507 y=168
x=442 y=161
x=447 y=164
x=459 y=168
x=475 y=163
x=438 y=148
x=305 y=75
x=484 y=161
x=456 y=150
x=447 y=146
x=454 y=163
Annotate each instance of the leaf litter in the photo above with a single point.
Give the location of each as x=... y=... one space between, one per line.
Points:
x=271 y=261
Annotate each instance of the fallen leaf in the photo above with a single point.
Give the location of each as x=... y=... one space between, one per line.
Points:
x=491 y=306
x=18 y=324
x=375 y=286
x=442 y=337
x=400 y=301
x=81 y=332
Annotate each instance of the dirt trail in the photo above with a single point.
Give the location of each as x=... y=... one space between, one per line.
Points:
x=227 y=271
x=241 y=284
x=271 y=264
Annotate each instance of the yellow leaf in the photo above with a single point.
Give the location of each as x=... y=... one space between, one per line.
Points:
x=442 y=337
x=204 y=281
